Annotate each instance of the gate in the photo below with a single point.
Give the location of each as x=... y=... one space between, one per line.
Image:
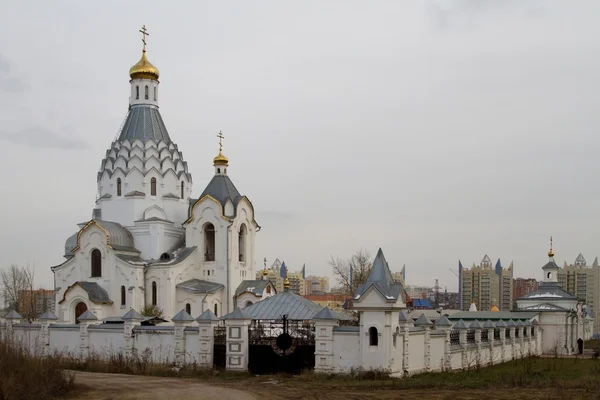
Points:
x=281 y=346
x=219 y=349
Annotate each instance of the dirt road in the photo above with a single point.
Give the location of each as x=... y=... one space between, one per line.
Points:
x=98 y=386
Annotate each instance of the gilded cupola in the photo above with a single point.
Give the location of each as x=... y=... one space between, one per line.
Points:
x=144 y=68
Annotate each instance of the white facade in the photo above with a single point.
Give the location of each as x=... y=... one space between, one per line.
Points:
x=149 y=242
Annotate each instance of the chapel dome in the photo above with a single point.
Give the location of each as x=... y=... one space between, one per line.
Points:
x=144 y=69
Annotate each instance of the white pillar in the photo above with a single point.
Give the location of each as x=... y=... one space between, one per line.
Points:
x=181 y=320
x=324 y=323
x=45 y=320
x=131 y=319
x=85 y=320
x=237 y=342
x=207 y=322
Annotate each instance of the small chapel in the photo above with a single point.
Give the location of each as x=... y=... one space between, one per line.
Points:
x=149 y=242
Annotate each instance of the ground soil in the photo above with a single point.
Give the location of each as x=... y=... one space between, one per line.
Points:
x=96 y=386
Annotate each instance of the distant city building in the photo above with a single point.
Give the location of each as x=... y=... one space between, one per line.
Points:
x=486 y=286
x=299 y=283
x=317 y=284
x=400 y=276
x=523 y=286
x=419 y=292
x=333 y=301
x=37 y=302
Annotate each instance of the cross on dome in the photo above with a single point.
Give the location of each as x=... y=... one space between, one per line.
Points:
x=145 y=33
x=220 y=159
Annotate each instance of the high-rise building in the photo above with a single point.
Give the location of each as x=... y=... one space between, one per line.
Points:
x=34 y=303
x=522 y=286
x=583 y=281
x=317 y=284
x=485 y=286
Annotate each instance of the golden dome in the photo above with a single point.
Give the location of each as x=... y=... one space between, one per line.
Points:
x=286 y=284
x=143 y=69
x=265 y=272
x=221 y=159
x=494 y=309
x=550 y=253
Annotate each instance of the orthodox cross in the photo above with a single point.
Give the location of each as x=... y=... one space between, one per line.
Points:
x=550 y=243
x=265 y=260
x=144 y=33
x=221 y=137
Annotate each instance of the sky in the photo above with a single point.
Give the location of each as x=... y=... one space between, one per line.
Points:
x=436 y=130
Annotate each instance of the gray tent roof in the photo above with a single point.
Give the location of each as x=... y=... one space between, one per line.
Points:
x=511 y=324
x=535 y=322
x=423 y=321
x=500 y=324
x=48 y=316
x=460 y=325
x=380 y=277
x=402 y=317
x=255 y=287
x=222 y=188
x=287 y=303
x=238 y=313
x=144 y=122
x=182 y=316
x=442 y=321
x=132 y=315
x=476 y=324
x=489 y=324
x=200 y=286
x=207 y=315
x=325 y=313
x=13 y=315
x=87 y=316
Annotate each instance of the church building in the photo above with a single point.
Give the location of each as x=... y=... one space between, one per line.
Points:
x=149 y=243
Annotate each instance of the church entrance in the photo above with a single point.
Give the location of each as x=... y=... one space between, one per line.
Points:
x=281 y=346
x=80 y=308
x=219 y=348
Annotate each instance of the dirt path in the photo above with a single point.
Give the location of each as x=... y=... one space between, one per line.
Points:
x=99 y=386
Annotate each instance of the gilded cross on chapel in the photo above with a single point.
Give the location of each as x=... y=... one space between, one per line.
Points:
x=144 y=33
x=221 y=137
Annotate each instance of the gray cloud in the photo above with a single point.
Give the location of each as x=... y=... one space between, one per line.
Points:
x=39 y=137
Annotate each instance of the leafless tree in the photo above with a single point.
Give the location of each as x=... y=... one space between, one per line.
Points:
x=17 y=290
x=361 y=263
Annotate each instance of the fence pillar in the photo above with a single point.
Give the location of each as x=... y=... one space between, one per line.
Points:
x=443 y=324
x=324 y=322
x=130 y=319
x=12 y=318
x=45 y=320
x=405 y=346
x=236 y=326
x=180 y=320
x=207 y=322
x=85 y=320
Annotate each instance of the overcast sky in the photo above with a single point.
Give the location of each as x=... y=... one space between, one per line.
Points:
x=437 y=130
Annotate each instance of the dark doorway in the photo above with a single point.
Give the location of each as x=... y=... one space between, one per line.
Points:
x=80 y=308
x=219 y=349
x=263 y=360
x=580 y=345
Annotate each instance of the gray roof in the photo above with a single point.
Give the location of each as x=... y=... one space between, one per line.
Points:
x=442 y=321
x=381 y=279
x=207 y=315
x=548 y=291
x=175 y=257
x=489 y=324
x=423 y=321
x=135 y=193
x=535 y=322
x=87 y=316
x=132 y=315
x=119 y=237
x=460 y=325
x=476 y=324
x=13 y=315
x=510 y=323
x=500 y=324
x=238 y=313
x=182 y=316
x=200 y=286
x=325 y=313
x=287 y=303
x=402 y=317
x=144 y=122
x=255 y=287
x=545 y=307
x=48 y=316
x=492 y=315
x=96 y=293
x=221 y=188
x=550 y=265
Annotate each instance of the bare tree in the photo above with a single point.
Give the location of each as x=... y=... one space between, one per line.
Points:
x=360 y=265
x=17 y=290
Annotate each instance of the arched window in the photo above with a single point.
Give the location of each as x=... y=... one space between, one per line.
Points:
x=242 y=242
x=153 y=293
x=137 y=92
x=188 y=308
x=216 y=310
x=153 y=187
x=269 y=289
x=373 y=336
x=96 y=263
x=80 y=308
x=182 y=188
x=154 y=93
x=146 y=93
x=549 y=276
x=123 y=296
x=396 y=334
x=209 y=242
x=218 y=170
x=248 y=303
x=118 y=186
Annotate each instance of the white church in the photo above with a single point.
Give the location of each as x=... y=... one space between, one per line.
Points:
x=149 y=243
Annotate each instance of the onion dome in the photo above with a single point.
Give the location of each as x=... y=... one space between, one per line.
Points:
x=144 y=69
x=220 y=159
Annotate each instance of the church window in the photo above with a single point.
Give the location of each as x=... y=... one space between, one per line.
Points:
x=153 y=187
x=146 y=93
x=218 y=170
x=396 y=336
x=96 y=263
x=118 y=186
x=269 y=289
x=216 y=310
x=153 y=293
x=208 y=272
x=549 y=275
x=137 y=92
x=209 y=242
x=80 y=308
x=188 y=308
x=373 y=336
x=154 y=93
x=242 y=242
x=182 y=188
x=123 y=296
x=248 y=303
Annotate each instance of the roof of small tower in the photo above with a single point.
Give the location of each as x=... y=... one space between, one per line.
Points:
x=380 y=277
x=221 y=188
x=144 y=122
x=256 y=287
x=580 y=260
